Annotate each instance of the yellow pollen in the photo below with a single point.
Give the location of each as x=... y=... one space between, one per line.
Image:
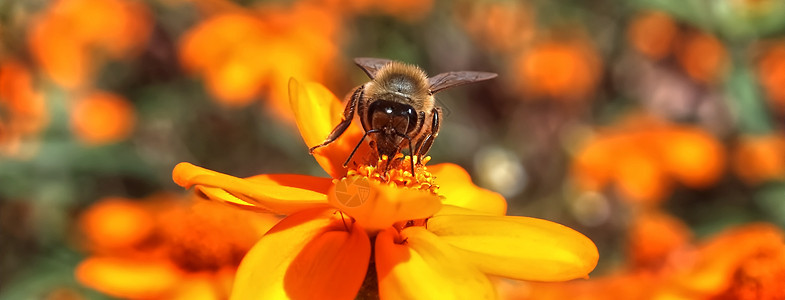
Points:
x=399 y=173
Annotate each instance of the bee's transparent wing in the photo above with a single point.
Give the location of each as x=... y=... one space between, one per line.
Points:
x=451 y=79
x=371 y=65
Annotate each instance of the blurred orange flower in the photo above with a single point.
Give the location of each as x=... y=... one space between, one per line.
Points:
x=66 y=38
x=653 y=34
x=564 y=70
x=771 y=72
x=428 y=240
x=243 y=55
x=102 y=117
x=23 y=109
x=653 y=238
x=165 y=248
x=746 y=262
x=702 y=56
x=757 y=159
x=642 y=158
x=501 y=26
x=655 y=242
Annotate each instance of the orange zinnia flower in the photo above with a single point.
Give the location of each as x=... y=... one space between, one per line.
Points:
x=22 y=108
x=757 y=159
x=65 y=38
x=408 y=236
x=771 y=72
x=501 y=26
x=653 y=34
x=562 y=70
x=165 y=248
x=246 y=54
x=746 y=262
x=643 y=157
x=102 y=117
x=702 y=56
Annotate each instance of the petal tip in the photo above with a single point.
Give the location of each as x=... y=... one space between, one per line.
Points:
x=180 y=173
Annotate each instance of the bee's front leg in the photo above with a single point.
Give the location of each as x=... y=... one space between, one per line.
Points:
x=425 y=145
x=348 y=115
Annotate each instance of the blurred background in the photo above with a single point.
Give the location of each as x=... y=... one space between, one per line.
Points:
x=655 y=127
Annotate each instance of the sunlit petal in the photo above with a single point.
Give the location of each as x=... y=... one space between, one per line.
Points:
x=458 y=210
x=317 y=111
x=519 y=247
x=456 y=186
x=308 y=255
x=377 y=206
x=317 y=184
x=127 y=278
x=255 y=191
x=423 y=267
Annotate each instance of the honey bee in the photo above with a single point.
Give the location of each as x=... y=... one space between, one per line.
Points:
x=397 y=108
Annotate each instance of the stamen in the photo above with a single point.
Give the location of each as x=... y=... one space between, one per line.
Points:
x=399 y=173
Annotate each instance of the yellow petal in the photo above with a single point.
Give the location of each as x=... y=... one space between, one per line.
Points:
x=261 y=192
x=376 y=206
x=308 y=255
x=221 y=195
x=423 y=267
x=456 y=186
x=199 y=286
x=519 y=247
x=125 y=278
x=317 y=111
x=458 y=210
x=317 y=184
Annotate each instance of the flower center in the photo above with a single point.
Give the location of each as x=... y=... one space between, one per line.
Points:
x=399 y=172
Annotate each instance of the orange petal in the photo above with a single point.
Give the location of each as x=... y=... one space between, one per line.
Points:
x=317 y=111
x=308 y=255
x=376 y=206
x=261 y=192
x=456 y=186
x=519 y=247
x=127 y=278
x=425 y=267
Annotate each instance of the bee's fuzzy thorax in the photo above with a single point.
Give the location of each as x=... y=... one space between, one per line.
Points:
x=402 y=78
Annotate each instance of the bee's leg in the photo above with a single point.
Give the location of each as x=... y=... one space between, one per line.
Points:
x=411 y=153
x=348 y=115
x=397 y=150
x=411 y=150
x=427 y=142
x=358 y=145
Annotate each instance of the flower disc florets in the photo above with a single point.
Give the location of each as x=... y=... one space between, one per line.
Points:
x=398 y=173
